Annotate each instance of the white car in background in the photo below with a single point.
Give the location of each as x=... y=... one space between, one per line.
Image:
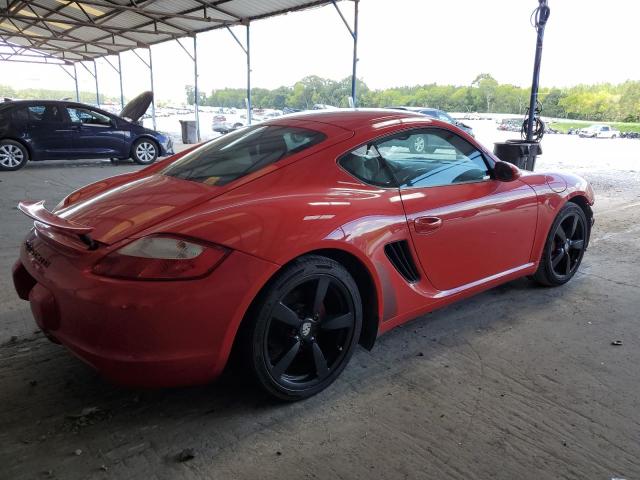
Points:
x=599 y=131
x=224 y=124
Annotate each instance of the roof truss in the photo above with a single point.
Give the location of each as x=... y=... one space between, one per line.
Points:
x=66 y=31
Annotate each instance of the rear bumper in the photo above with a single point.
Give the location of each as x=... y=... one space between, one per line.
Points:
x=140 y=333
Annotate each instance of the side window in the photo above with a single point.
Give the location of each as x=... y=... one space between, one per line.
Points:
x=432 y=157
x=366 y=164
x=88 y=117
x=605 y=129
x=20 y=115
x=43 y=113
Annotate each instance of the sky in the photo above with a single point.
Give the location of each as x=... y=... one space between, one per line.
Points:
x=401 y=42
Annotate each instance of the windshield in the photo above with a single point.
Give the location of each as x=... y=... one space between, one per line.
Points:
x=242 y=152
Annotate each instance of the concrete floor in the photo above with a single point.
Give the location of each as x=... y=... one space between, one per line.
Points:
x=520 y=382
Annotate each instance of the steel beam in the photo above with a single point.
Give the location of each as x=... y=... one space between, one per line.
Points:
x=195 y=88
x=153 y=100
x=95 y=76
x=196 y=92
x=354 y=35
x=248 y=52
x=75 y=76
x=118 y=70
x=354 y=78
x=149 y=65
x=120 y=77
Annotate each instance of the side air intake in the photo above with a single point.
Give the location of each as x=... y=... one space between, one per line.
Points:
x=400 y=257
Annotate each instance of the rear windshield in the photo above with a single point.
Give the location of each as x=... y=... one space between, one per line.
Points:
x=242 y=152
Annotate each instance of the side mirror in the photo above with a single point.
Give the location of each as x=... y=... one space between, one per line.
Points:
x=506 y=172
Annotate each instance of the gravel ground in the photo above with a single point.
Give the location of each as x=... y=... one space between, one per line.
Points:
x=518 y=382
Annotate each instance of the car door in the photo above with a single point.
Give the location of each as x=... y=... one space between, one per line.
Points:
x=45 y=130
x=465 y=225
x=95 y=135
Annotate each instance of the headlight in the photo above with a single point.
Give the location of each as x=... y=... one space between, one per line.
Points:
x=161 y=257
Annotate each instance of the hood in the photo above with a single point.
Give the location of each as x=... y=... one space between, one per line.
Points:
x=125 y=210
x=136 y=108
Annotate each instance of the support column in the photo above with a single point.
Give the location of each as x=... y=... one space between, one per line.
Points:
x=354 y=35
x=118 y=70
x=354 y=78
x=95 y=77
x=74 y=76
x=153 y=101
x=75 y=79
x=120 y=75
x=248 y=52
x=195 y=87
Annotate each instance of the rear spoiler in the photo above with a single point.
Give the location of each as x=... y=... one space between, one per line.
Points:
x=37 y=212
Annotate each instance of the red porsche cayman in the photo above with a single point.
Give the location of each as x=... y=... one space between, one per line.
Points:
x=291 y=241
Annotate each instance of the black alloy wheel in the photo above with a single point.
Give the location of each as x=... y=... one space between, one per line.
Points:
x=306 y=328
x=565 y=246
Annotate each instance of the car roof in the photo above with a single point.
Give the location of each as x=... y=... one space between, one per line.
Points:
x=45 y=102
x=351 y=119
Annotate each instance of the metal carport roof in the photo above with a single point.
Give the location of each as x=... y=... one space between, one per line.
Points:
x=72 y=32
x=63 y=31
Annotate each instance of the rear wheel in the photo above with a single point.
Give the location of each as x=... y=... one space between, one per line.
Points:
x=304 y=328
x=13 y=155
x=144 y=151
x=564 y=248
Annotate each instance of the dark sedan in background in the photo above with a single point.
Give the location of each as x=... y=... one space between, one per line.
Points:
x=61 y=130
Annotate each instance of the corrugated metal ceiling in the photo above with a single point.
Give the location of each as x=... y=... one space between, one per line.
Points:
x=62 y=31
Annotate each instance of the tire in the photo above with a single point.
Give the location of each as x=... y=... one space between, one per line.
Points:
x=13 y=155
x=417 y=144
x=303 y=328
x=144 y=151
x=564 y=248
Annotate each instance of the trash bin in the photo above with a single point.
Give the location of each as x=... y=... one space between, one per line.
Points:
x=189 y=133
x=518 y=152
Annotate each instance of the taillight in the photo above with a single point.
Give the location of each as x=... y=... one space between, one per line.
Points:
x=161 y=257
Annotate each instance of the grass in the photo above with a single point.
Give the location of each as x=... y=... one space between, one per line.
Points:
x=564 y=126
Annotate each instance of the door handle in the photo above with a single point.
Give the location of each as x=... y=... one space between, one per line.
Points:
x=427 y=224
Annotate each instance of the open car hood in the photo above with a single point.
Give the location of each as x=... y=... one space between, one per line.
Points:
x=136 y=108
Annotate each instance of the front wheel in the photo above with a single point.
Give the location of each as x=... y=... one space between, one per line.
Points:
x=564 y=248
x=144 y=151
x=304 y=328
x=13 y=155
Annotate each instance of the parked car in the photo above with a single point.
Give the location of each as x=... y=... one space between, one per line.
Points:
x=222 y=124
x=630 y=135
x=32 y=130
x=291 y=242
x=599 y=131
x=510 y=124
x=440 y=115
